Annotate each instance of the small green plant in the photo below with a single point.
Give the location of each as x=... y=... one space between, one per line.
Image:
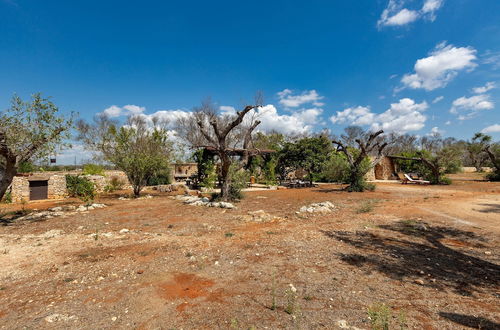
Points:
x=23 y=206
x=366 y=206
x=80 y=187
x=380 y=316
x=7 y=199
x=229 y=234
x=115 y=183
x=93 y=169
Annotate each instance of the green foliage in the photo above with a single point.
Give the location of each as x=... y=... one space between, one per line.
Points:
x=238 y=181
x=207 y=175
x=138 y=149
x=7 y=198
x=115 y=183
x=81 y=187
x=310 y=154
x=93 y=169
x=28 y=131
x=356 y=176
x=26 y=167
x=380 y=316
x=160 y=178
x=336 y=169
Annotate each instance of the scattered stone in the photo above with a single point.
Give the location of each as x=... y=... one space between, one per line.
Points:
x=487 y=252
x=56 y=209
x=140 y=271
x=52 y=233
x=259 y=216
x=419 y=282
x=323 y=207
x=124 y=231
x=203 y=201
x=59 y=317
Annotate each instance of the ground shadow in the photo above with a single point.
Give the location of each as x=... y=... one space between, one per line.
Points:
x=330 y=189
x=490 y=208
x=475 y=322
x=418 y=252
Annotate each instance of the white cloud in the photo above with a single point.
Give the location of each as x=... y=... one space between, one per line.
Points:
x=440 y=67
x=396 y=15
x=448 y=122
x=483 y=89
x=430 y=7
x=227 y=110
x=404 y=116
x=435 y=130
x=471 y=105
x=299 y=122
x=404 y=16
x=492 y=129
x=129 y=109
x=437 y=99
x=289 y=100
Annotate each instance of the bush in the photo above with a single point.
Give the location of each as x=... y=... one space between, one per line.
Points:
x=493 y=176
x=115 y=183
x=93 y=169
x=80 y=187
x=7 y=198
x=239 y=181
x=163 y=177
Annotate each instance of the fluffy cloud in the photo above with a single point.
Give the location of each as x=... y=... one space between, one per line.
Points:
x=440 y=67
x=435 y=131
x=491 y=129
x=483 y=89
x=470 y=106
x=299 y=122
x=396 y=15
x=130 y=109
x=289 y=100
x=404 y=116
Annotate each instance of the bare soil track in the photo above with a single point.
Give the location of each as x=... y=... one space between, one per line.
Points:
x=430 y=252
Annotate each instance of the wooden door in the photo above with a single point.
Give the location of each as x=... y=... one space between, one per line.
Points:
x=39 y=190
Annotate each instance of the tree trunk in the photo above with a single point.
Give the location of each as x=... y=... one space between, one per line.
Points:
x=226 y=180
x=7 y=175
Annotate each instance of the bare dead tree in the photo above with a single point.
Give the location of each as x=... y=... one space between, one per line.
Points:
x=357 y=148
x=223 y=133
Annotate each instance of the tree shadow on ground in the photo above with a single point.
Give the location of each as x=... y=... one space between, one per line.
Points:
x=490 y=208
x=330 y=189
x=418 y=252
x=475 y=322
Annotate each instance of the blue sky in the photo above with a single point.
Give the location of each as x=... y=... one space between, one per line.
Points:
x=411 y=66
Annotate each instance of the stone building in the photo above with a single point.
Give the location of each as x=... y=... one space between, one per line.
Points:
x=182 y=171
x=384 y=170
x=38 y=186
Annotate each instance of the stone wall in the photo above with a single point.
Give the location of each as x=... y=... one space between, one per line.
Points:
x=20 y=187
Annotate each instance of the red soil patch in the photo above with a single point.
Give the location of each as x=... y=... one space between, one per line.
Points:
x=185 y=286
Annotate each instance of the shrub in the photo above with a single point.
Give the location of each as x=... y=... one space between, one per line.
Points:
x=7 y=198
x=380 y=316
x=93 y=169
x=115 y=183
x=239 y=181
x=162 y=177
x=493 y=176
x=80 y=187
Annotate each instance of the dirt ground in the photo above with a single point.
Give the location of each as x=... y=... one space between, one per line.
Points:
x=429 y=253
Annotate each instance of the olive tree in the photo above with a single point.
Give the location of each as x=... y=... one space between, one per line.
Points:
x=29 y=130
x=357 y=145
x=139 y=148
x=206 y=128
